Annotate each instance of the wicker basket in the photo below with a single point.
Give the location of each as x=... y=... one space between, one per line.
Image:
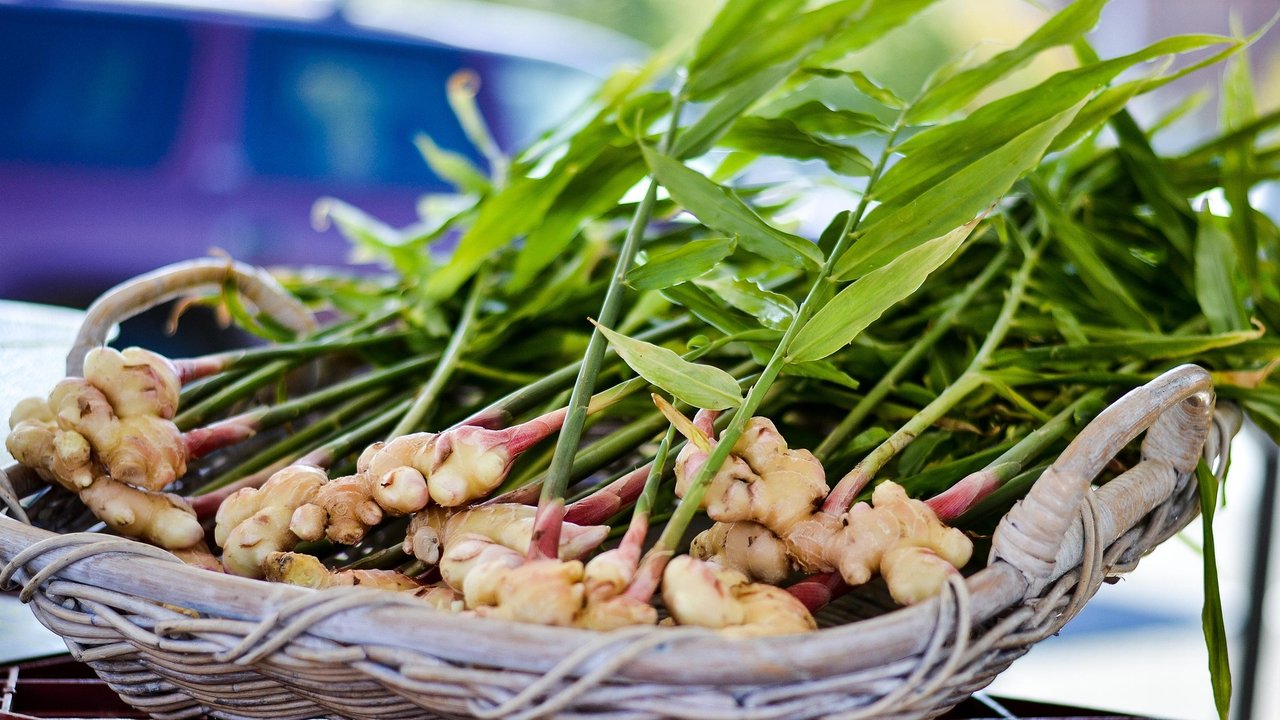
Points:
x=177 y=642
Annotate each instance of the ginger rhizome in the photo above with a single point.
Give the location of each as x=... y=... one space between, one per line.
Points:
x=109 y=437
x=307 y=571
x=710 y=595
x=767 y=500
x=254 y=522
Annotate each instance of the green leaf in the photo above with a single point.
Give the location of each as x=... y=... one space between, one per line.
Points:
x=775 y=43
x=1148 y=346
x=591 y=193
x=703 y=386
x=1215 y=632
x=861 y=303
x=879 y=18
x=864 y=84
x=815 y=117
x=952 y=94
x=734 y=21
x=1081 y=246
x=721 y=210
x=680 y=264
x=782 y=137
x=942 y=150
x=454 y=168
x=1217 y=269
x=373 y=240
x=706 y=130
x=771 y=309
x=502 y=217
x=822 y=370
x=950 y=202
x=1238 y=108
x=696 y=301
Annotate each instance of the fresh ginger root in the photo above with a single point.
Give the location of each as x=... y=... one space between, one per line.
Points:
x=857 y=543
x=770 y=495
x=763 y=481
x=750 y=548
x=253 y=523
x=342 y=509
x=484 y=559
x=422 y=539
x=64 y=457
x=709 y=595
x=307 y=571
x=398 y=470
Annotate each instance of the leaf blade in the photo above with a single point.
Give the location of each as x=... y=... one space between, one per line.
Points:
x=681 y=264
x=719 y=209
x=865 y=300
x=703 y=386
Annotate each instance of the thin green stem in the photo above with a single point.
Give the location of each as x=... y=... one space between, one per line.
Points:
x=224 y=398
x=553 y=490
x=440 y=374
x=910 y=358
x=296 y=443
x=304 y=350
x=973 y=377
x=297 y=407
x=673 y=533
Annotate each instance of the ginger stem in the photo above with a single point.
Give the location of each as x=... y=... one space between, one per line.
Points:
x=553 y=490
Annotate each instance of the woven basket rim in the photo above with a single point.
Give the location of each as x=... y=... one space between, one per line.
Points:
x=868 y=643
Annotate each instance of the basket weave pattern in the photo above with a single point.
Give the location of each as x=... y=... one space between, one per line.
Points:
x=179 y=642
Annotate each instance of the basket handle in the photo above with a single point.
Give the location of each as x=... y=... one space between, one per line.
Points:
x=146 y=291
x=1176 y=410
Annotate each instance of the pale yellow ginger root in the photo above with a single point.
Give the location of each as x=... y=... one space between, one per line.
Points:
x=474 y=565
x=511 y=525
x=915 y=573
x=614 y=612
x=441 y=598
x=708 y=595
x=159 y=518
x=199 y=555
x=856 y=542
x=135 y=381
x=253 y=523
x=63 y=457
x=307 y=571
x=422 y=539
x=145 y=451
x=750 y=548
x=769 y=610
x=398 y=470
x=762 y=481
x=342 y=509
x=466 y=464
x=545 y=592
x=56 y=455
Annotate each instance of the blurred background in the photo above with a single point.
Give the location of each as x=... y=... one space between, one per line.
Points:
x=134 y=133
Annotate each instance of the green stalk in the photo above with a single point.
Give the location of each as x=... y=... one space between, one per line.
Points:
x=435 y=384
x=200 y=413
x=973 y=377
x=295 y=443
x=304 y=350
x=673 y=533
x=546 y=539
x=910 y=358
x=297 y=407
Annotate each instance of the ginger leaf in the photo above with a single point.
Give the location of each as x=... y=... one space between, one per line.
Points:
x=703 y=386
x=1215 y=632
x=861 y=303
x=681 y=264
x=720 y=209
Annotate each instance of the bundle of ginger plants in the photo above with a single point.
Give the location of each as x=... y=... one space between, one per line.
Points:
x=534 y=424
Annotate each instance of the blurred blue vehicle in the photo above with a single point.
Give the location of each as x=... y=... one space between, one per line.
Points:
x=139 y=133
